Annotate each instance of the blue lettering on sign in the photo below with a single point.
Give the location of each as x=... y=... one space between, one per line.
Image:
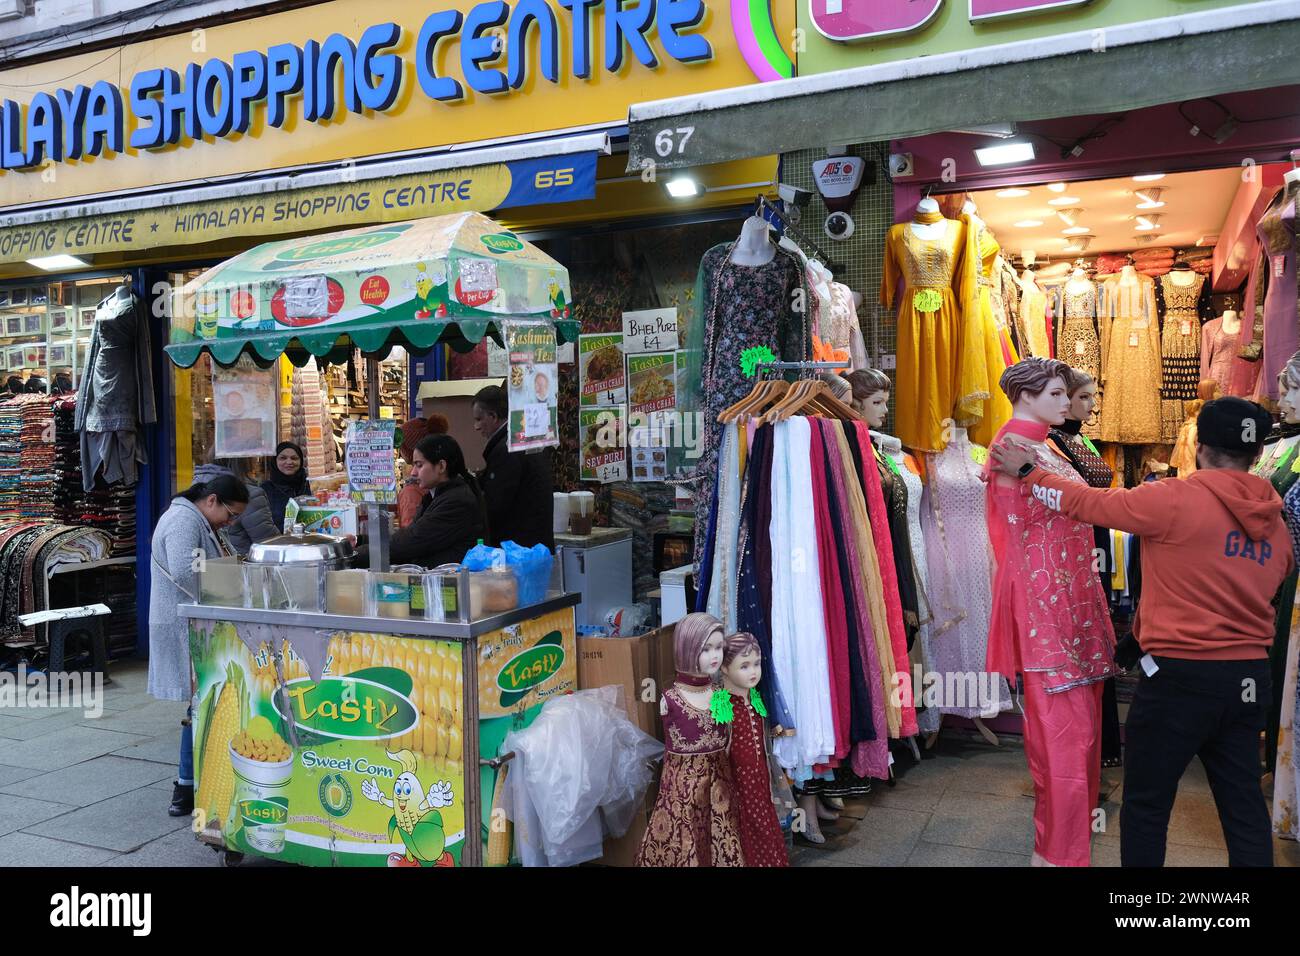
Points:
x=1237 y=545
x=219 y=97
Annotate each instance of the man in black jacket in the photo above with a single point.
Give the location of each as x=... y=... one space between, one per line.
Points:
x=518 y=486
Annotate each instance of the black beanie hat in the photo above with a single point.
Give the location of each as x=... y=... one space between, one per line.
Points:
x=1233 y=425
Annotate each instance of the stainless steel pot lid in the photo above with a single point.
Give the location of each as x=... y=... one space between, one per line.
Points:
x=300 y=549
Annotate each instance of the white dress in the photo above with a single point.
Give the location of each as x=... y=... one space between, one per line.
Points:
x=722 y=580
x=798 y=624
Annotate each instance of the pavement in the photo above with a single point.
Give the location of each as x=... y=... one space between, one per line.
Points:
x=76 y=791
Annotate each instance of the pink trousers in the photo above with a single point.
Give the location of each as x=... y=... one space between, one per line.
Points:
x=1063 y=746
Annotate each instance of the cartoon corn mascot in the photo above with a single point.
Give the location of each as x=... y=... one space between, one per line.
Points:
x=559 y=308
x=415 y=815
x=430 y=295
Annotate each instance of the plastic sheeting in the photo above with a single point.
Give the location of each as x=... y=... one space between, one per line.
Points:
x=579 y=773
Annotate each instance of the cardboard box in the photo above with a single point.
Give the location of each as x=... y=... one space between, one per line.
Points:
x=325 y=519
x=642 y=666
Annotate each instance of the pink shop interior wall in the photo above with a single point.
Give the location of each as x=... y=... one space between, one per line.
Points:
x=1154 y=140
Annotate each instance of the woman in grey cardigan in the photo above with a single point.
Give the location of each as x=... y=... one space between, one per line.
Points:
x=185 y=535
x=256 y=523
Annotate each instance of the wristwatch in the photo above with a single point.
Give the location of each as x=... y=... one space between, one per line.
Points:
x=1025 y=470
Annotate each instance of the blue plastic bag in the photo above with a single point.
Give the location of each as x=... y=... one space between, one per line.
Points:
x=481 y=557
x=532 y=567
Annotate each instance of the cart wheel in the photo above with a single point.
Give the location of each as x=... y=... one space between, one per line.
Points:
x=231 y=858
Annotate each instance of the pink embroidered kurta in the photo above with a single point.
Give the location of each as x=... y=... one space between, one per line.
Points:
x=1050 y=614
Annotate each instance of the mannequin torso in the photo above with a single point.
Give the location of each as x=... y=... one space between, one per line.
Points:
x=753 y=247
x=1231 y=322
x=929 y=231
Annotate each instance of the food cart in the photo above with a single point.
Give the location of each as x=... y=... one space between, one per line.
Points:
x=354 y=718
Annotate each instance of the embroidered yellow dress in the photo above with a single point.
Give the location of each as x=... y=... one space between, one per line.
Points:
x=1130 y=358
x=986 y=349
x=928 y=329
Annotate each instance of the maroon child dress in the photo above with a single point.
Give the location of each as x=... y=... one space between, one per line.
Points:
x=760 y=833
x=694 y=818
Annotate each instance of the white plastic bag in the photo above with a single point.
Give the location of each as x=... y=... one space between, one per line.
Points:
x=579 y=773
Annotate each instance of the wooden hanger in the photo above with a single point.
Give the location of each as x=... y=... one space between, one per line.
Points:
x=759 y=397
x=812 y=395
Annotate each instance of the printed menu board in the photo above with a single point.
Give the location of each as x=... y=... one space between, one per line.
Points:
x=534 y=416
x=372 y=470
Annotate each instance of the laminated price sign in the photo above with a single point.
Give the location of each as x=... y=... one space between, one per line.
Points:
x=534 y=418
x=602 y=377
x=603 y=444
x=372 y=470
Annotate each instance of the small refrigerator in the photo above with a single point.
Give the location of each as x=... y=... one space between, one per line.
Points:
x=599 y=567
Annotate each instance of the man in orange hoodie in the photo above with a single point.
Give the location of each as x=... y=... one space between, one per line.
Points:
x=1214 y=552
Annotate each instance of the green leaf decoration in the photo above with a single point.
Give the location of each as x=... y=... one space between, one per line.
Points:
x=720 y=706
x=756 y=702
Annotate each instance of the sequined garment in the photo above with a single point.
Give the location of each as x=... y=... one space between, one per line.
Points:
x=1077 y=342
x=694 y=820
x=1130 y=357
x=760 y=833
x=1217 y=350
x=1050 y=614
x=959 y=574
x=1180 y=349
x=985 y=345
x=929 y=327
x=1034 y=338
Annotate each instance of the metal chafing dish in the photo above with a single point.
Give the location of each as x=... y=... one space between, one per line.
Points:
x=287 y=572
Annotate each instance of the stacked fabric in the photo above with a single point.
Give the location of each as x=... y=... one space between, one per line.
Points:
x=110 y=509
x=11 y=454
x=37 y=481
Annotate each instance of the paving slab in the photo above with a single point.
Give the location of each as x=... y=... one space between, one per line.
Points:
x=20 y=728
x=177 y=848
x=10 y=775
x=90 y=782
x=121 y=823
x=124 y=699
x=149 y=720
x=162 y=749
x=983 y=821
x=64 y=748
x=886 y=837
x=906 y=796
x=28 y=849
x=936 y=854
x=18 y=813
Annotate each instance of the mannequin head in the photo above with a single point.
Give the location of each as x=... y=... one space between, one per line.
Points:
x=742 y=663
x=697 y=645
x=871 y=389
x=1036 y=388
x=1288 y=390
x=1082 y=390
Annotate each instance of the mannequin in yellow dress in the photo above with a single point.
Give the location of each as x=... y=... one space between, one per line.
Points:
x=1130 y=358
x=926 y=256
x=985 y=353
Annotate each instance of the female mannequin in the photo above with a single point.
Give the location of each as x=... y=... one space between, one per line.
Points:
x=760 y=833
x=1130 y=355
x=1092 y=468
x=754 y=248
x=1276 y=286
x=1077 y=342
x=923 y=224
x=1218 y=346
x=1050 y=623
x=1181 y=295
x=694 y=818
x=1286 y=768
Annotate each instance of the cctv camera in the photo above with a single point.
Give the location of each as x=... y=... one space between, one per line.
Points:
x=794 y=196
x=839 y=225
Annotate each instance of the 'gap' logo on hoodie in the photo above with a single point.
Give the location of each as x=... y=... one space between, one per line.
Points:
x=1238 y=545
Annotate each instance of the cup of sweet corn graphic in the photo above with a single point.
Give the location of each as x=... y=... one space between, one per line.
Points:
x=263 y=765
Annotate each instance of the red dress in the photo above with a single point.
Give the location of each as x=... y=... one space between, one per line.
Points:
x=760 y=833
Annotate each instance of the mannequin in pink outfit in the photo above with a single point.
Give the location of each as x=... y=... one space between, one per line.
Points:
x=1050 y=621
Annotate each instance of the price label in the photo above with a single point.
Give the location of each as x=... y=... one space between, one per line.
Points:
x=1279 y=266
x=1132 y=340
x=979 y=454
x=1185 y=327
x=1080 y=348
x=537 y=420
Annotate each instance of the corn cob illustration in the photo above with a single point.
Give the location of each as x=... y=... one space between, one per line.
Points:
x=223 y=720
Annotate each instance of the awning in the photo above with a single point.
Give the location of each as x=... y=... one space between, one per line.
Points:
x=1095 y=71
x=484 y=178
x=447 y=279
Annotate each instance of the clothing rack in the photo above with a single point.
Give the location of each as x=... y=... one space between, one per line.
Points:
x=763 y=203
x=798 y=367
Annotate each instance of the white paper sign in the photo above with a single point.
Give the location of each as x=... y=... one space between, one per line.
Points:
x=650 y=330
x=498 y=360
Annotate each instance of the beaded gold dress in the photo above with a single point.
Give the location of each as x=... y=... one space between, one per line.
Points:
x=928 y=328
x=987 y=343
x=1180 y=349
x=1130 y=356
x=1077 y=342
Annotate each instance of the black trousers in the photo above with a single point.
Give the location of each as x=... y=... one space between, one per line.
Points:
x=1209 y=709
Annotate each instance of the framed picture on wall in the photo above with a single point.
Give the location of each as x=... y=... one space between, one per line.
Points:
x=87 y=319
x=13 y=325
x=4 y=360
x=59 y=355
x=38 y=296
x=17 y=296
x=33 y=324
x=4 y=297
x=15 y=356
x=58 y=319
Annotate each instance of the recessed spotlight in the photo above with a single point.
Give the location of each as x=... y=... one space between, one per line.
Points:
x=1069 y=216
x=1064 y=201
x=1028 y=223
x=1080 y=243
x=1005 y=154
x=1149 y=198
x=1012 y=193
x=1057 y=187
x=1149 y=222
x=1148 y=177
x=1075 y=231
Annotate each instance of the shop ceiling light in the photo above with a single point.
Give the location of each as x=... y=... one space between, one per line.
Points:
x=683 y=187
x=1149 y=222
x=1150 y=198
x=58 y=263
x=1148 y=177
x=1005 y=154
x=1012 y=193
x=1080 y=244
x=1075 y=231
x=1069 y=216
x=1057 y=187
x=1064 y=201
x=1028 y=223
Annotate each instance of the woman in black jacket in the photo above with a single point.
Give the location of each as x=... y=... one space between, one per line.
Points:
x=288 y=479
x=452 y=518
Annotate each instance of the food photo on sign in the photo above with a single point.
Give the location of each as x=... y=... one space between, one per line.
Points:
x=603 y=451
x=534 y=371
x=244 y=401
x=602 y=374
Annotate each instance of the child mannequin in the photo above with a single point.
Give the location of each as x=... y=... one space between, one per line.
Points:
x=760 y=833
x=694 y=818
